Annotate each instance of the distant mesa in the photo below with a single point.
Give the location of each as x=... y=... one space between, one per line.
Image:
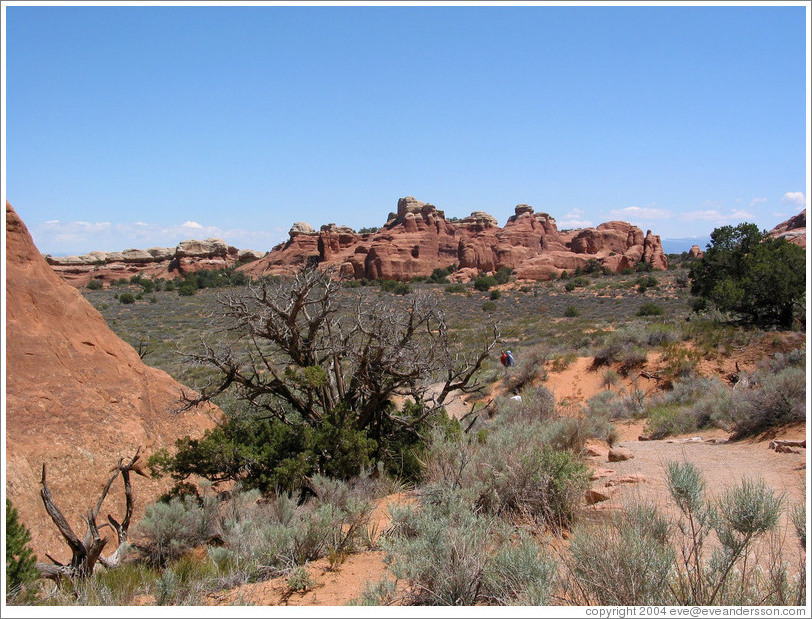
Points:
x=78 y=398
x=154 y=263
x=417 y=238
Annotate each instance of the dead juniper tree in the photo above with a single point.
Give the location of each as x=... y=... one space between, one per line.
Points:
x=87 y=551
x=300 y=353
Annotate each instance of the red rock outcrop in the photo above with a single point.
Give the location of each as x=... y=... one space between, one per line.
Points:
x=77 y=399
x=793 y=229
x=418 y=239
x=155 y=263
x=696 y=252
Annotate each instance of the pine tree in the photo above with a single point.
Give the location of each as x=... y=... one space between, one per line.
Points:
x=20 y=559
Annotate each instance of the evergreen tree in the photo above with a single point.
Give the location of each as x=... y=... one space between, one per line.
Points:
x=746 y=272
x=20 y=560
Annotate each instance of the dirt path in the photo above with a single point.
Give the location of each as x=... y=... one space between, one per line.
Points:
x=723 y=464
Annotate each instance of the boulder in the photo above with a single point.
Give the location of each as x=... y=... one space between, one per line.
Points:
x=619 y=454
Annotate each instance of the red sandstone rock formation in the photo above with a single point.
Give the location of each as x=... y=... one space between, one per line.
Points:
x=794 y=229
x=155 y=263
x=77 y=399
x=418 y=239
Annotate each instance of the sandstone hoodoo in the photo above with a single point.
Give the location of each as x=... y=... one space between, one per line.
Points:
x=78 y=398
x=154 y=263
x=418 y=238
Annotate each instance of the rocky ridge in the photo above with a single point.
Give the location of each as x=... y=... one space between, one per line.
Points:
x=793 y=229
x=154 y=263
x=418 y=239
x=78 y=398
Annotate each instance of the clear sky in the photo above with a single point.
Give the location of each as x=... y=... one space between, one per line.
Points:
x=142 y=126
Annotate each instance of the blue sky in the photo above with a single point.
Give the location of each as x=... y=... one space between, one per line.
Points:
x=142 y=126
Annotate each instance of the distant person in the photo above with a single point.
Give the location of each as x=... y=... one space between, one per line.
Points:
x=503 y=358
x=510 y=361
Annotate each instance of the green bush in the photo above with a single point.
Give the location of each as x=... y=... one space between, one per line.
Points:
x=21 y=562
x=572 y=312
x=646 y=282
x=489 y=306
x=576 y=282
x=439 y=276
x=126 y=298
x=650 y=309
x=95 y=284
x=451 y=288
x=483 y=283
x=187 y=289
x=502 y=275
x=495 y=294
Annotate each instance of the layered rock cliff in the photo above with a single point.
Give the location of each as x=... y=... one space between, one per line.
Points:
x=418 y=239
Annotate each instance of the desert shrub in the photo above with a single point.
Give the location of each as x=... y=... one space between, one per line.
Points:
x=519 y=575
x=170 y=529
x=645 y=282
x=95 y=284
x=687 y=407
x=21 y=571
x=484 y=283
x=126 y=298
x=451 y=288
x=495 y=294
x=300 y=579
x=612 y=349
x=377 y=593
x=449 y=555
x=626 y=561
x=502 y=275
x=439 y=276
x=536 y=403
x=489 y=306
x=614 y=405
x=610 y=378
x=514 y=465
x=576 y=282
x=592 y=266
x=669 y=420
x=187 y=289
x=731 y=573
x=631 y=358
x=781 y=361
x=275 y=536
x=770 y=400
x=441 y=551
x=572 y=312
x=650 y=309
